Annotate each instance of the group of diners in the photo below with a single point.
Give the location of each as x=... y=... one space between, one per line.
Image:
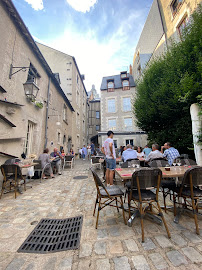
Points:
x=53 y=161
x=167 y=151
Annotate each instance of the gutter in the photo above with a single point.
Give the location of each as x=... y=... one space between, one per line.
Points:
x=47 y=108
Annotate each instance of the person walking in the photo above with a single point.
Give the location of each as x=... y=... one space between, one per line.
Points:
x=84 y=152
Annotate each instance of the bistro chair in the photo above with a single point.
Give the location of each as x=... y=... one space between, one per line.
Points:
x=68 y=160
x=143 y=180
x=38 y=168
x=187 y=161
x=95 y=162
x=106 y=196
x=167 y=185
x=191 y=194
x=11 y=177
x=182 y=156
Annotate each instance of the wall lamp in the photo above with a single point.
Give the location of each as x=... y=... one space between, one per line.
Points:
x=30 y=87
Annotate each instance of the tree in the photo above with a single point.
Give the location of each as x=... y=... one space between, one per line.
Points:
x=169 y=85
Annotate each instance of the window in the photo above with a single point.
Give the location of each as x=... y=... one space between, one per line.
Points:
x=77 y=79
x=128 y=123
x=65 y=113
x=111 y=105
x=182 y=25
x=125 y=84
x=139 y=70
x=33 y=75
x=28 y=146
x=77 y=120
x=115 y=143
x=126 y=104
x=97 y=115
x=110 y=86
x=175 y=5
x=124 y=74
x=112 y=124
x=64 y=139
x=97 y=127
x=130 y=141
x=59 y=137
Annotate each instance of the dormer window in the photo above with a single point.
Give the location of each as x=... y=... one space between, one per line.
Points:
x=123 y=74
x=125 y=84
x=110 y=85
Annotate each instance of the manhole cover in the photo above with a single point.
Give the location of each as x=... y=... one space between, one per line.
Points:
x=81 y=177
x=53 y=235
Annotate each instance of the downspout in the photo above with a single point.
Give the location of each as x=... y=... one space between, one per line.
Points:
x=162 y=24
x=47 y=107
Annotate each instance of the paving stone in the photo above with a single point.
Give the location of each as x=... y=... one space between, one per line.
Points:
x=163 y=241
x=158 y=261
x=65 y=264
x=176 y=258
x=115 y=247
x=111 y=221
x=100 y=248
x=140 y=263
x=31 y=266
x=84 y=265
x=131 y=245
x=103 y=264
x=121 y=263
x=192 y=237
x=192 y=254
x=102 y=234
x=85 y=250
x=148 y=244
x=50 y=264
x=178 y=240
x=114 y=231
x=16 y=264
x=199 y=247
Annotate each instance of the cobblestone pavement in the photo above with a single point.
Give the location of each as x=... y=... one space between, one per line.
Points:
x=112 y=246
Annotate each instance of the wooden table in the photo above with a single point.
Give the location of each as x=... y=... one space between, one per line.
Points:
x=24 y=166
x=125 y=173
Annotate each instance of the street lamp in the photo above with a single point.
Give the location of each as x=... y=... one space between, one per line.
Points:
x=31 y=89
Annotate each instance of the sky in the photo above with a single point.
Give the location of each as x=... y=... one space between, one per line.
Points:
x=101 y=34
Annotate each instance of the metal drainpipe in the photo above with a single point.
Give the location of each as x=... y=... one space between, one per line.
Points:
x=162 y=24
x=47 y=107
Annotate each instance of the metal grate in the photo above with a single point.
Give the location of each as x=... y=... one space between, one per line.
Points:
x=53 y=235
x=80 y=177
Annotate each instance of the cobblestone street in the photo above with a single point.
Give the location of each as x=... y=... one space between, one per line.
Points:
x=112 y=246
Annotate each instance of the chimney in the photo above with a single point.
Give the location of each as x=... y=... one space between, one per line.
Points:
x=131 y=70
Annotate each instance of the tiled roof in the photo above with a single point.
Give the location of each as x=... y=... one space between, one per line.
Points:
x=117 y=81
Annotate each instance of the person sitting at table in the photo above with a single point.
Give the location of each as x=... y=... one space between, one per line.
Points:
x=129 y=153
x=147 y=150
x=170 y=153
x=154 y=154
x=57 y=160
x=71 y=152
x=45 y=159
x=63 y=153
x=140 y=154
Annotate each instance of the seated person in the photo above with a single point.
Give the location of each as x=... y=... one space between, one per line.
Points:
x=154 y=154
x=45 y=158
x=129 y=153
x=71 y=153
x=63 y=153
x=57 y=160
x=140 y=153
x=170 y=153
x=147 y=150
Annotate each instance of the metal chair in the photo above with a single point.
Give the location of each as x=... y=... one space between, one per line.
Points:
x=142 y=181
x=106 y=196
x=11 y=175
x=191 y=193
x=68 y=160
x=187 y=161
x=95 y=162
x=38 y=168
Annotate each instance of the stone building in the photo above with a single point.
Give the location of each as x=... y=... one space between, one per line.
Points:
x=73 y=86
x=94 y=116
x=117 y=93
x=164 y=23
x=28 y=123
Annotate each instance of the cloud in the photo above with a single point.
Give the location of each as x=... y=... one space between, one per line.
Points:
x=82 y=5
x=36 y=4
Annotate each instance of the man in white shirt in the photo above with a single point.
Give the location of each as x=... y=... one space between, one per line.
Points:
x=109 y=150
x=154 y=154
x=129 y=153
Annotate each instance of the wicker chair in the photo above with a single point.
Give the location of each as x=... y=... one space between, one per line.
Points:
x=106 y=196
x=187 y=161
x=11 y=176
x=191 y=193
x=142 y=180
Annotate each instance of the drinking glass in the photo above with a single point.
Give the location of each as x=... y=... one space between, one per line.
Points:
x=174 y=162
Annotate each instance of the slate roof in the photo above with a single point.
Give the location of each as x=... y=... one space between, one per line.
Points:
x=117 y=81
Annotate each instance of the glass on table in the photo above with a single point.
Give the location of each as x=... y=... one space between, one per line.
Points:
x=174 y=162
x=178 y=161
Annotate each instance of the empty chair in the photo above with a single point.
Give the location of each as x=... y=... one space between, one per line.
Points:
x=182 y=156
x=191 y=193
x=142 y=181
x=11 y=176
x=107 y=196
x=68 y=160
x=187 y=161
x=95 y=162
x=158 y=162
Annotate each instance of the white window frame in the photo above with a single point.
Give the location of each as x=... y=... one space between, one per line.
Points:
x=111 y=111
x=112 y=127
x=127 y=109
x=128 y=127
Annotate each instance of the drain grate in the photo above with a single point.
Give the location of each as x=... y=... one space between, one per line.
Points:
x=80 y=177
x=53 y=235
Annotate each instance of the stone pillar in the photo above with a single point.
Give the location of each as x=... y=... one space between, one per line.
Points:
x=196 y=126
